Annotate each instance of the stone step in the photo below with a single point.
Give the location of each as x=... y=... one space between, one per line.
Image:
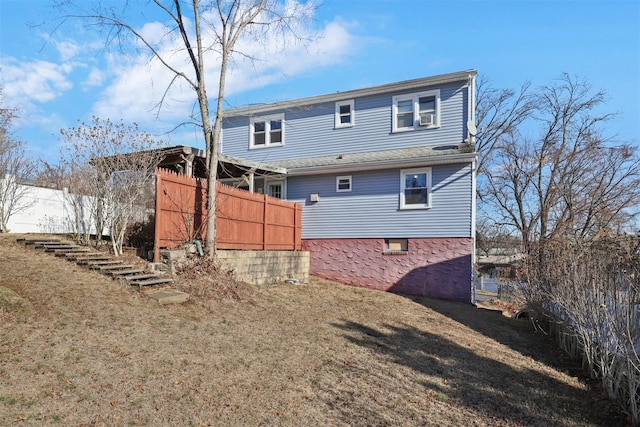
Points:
x=60 y=248
x=148 y=282
x=124 y=273
x=37 y=241
x=87 y=255
x=98 y=262
x=106 y=268
x=47 y=245
x=106 y=264
x=87 y=260
x=67 y=253
x=141 y=276
x=169 y=296
x=50 y=243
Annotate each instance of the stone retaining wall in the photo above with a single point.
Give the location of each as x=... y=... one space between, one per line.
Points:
x=266 y=267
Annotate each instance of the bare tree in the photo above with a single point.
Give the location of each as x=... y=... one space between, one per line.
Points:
x=570 y=193
x=499 y=112
x=229 y=21
x=569 y=181
x=15 y=169
x=118 y=162
x=585 y=293
x=51 y=175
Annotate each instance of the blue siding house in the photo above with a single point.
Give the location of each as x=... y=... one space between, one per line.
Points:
x=386 y=176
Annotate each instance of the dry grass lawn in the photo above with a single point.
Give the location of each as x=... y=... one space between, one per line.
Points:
x=80 y=349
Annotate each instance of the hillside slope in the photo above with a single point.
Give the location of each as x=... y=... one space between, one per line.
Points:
x=86 y=350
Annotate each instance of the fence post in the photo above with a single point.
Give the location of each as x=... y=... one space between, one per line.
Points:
x=265 y=200
x=156 y=234
x=297 y=232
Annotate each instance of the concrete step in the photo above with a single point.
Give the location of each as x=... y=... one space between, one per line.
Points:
x=169 y=296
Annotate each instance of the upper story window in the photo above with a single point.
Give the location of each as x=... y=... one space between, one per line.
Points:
x=416 y=111
x=415 y=188
x=266 y=131
x=344 y=114
x=343 y=184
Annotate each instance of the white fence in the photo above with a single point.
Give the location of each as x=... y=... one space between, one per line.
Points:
x=489 y=284
x=46 y=210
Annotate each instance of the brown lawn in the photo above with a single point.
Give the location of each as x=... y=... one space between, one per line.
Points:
x=79 y=349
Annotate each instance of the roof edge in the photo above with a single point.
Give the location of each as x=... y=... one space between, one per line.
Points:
x=384 y=164
x=338 y=96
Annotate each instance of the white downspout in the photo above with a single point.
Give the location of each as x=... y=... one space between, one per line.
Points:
x=472 y=118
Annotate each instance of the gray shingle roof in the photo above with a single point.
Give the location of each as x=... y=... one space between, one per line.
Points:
x=403 y=157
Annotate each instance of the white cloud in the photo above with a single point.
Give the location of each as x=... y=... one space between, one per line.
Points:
x=95 y=78
x=66 y=49
x=35 y=81
x=140 y=84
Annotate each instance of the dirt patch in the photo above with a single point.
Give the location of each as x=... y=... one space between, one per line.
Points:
x=96 y=351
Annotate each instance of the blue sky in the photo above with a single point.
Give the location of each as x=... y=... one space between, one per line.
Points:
x=56 y=78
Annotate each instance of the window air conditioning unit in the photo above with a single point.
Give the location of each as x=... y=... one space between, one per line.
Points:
x=426 y=119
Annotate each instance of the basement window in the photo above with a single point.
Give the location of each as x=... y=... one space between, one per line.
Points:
x=396 y=246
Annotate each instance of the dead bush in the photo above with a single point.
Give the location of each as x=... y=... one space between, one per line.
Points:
x=206 y=281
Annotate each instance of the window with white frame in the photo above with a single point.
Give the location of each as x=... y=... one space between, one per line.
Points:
x=266 y=131
x=416 y=111
x=343 y=184
x=274 y=189
x=415 y=188
x=344 y=114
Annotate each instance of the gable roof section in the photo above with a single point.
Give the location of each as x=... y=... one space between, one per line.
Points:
x=372 y=160
x=420 y=83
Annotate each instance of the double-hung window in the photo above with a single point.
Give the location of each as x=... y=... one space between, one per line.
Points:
x=266 y=131
x=415 y=188
x=343 y=184
x=416 y=111
x=344 y=116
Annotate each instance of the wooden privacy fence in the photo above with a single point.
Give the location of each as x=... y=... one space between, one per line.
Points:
x=244 y=220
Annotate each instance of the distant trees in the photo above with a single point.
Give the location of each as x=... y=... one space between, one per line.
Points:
x=206 y=34
x=551 y=175
x=563 y=177
x=15 y=169
x=114 y=163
